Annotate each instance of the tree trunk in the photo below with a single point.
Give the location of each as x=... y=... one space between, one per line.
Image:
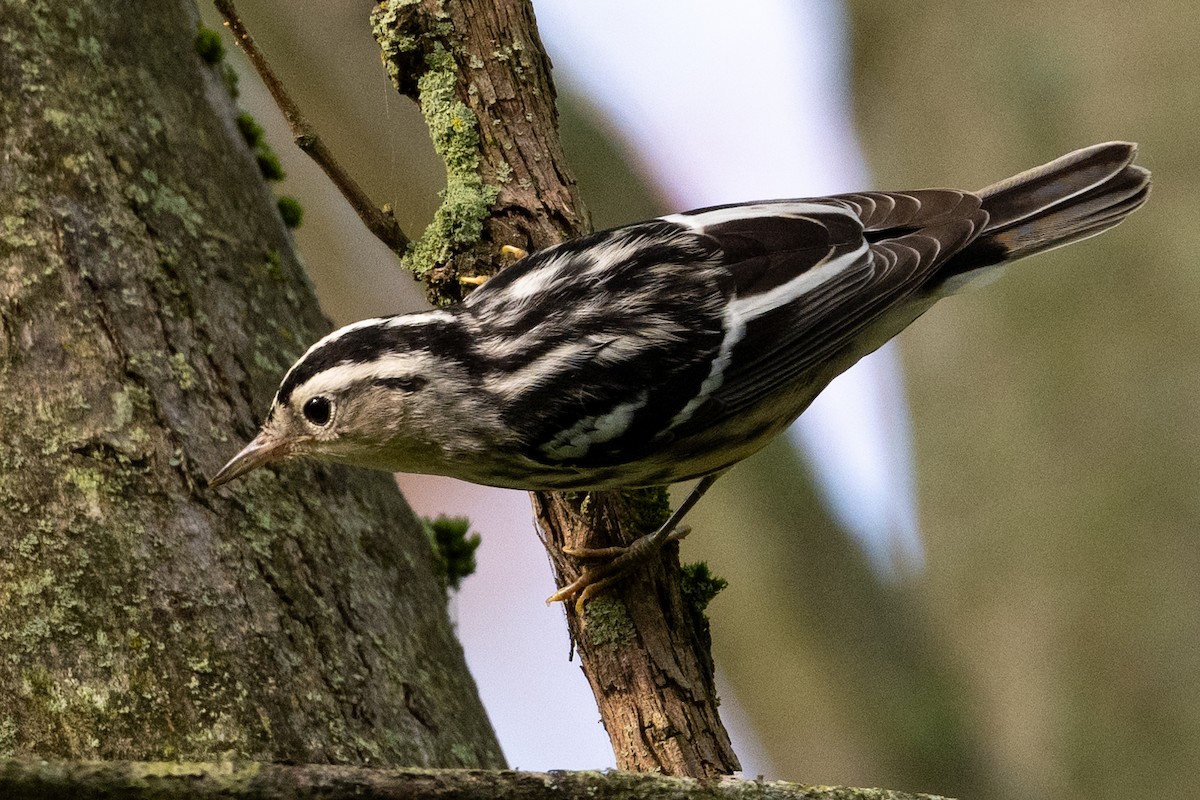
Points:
x=149 y=302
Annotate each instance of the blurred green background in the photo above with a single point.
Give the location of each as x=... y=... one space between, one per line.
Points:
x=1050 y=646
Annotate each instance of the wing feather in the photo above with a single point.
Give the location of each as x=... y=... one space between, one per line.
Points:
x=775 y=293
x=793 y=343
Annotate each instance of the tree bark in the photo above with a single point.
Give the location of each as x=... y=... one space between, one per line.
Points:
x=149 y=301
x=482 y=77
x=135 y=781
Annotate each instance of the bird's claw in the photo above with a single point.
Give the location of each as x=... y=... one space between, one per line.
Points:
x=510 y=253
x=589 y=583
x=619 y=561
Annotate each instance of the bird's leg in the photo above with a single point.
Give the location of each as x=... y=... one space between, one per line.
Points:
x=618 y=561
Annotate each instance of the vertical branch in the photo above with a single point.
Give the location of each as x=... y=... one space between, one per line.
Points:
x=644 y=646
x=482 y=78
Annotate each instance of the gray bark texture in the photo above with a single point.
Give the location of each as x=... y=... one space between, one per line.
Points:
x=149 y=302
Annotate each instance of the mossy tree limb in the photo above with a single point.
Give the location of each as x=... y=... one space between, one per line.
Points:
x=146 y=781
x=149 y=301
x=482 y=78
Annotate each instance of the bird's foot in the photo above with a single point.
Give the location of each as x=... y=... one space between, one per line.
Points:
x=612 y=564
x=510 y=252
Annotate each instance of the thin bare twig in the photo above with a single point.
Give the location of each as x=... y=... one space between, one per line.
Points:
x=378 y=220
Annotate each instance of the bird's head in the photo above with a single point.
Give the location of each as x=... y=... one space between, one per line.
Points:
x=361 y=396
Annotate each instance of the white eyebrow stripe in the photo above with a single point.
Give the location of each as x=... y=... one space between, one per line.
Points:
x=343 y=375
x=324 y=340
x=398 y=321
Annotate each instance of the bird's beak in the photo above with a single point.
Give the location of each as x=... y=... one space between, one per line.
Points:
x=263 y=449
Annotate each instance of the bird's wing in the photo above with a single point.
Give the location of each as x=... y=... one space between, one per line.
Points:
x=793 y=311
x=605 y=346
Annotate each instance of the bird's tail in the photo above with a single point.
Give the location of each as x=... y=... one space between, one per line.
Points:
x=1073 y=197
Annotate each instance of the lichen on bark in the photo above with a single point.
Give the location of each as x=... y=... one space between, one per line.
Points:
x=466 y=200
x=422 y=66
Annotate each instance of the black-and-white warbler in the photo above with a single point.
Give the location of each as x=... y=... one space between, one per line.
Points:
x=669 y=349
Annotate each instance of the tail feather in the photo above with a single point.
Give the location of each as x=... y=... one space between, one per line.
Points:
x=1042 y=188
x=1079 y=217
x=1073 y=197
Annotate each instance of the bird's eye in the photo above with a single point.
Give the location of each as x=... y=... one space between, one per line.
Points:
x=317 y=410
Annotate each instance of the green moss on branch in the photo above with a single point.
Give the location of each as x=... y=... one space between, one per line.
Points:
x=163 y=781
x=467 y=199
